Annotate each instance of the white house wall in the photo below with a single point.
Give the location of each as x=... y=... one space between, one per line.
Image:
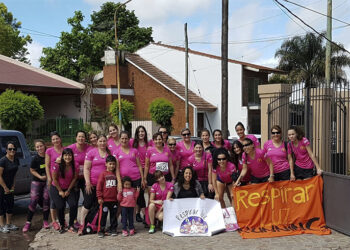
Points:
x=205 y=75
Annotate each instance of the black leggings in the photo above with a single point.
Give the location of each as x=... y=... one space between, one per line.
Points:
x=6 y=203
x=61 y=205
x=113 y=208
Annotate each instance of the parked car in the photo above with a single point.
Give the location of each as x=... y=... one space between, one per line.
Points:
x=23 y=176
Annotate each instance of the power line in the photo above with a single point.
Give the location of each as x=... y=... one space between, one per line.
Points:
x=39 y=33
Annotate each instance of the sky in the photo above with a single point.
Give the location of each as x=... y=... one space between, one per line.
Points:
x=257 y=28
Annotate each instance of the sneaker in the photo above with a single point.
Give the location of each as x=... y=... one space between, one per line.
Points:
x=101 y=234
x=81 y=230
x=125 y=233
x=77 y=225
x=152 y=229
x=113 y=233
x=55 y=225
x=132 y=232
x=61 y=230
x=26 y=227
x=11 y=227
x=4 y=230
x=46 y=224
x=71 y=229
x=138 y=217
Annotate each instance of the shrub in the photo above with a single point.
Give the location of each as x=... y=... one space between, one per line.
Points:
x=161 y=111
x=127 y=109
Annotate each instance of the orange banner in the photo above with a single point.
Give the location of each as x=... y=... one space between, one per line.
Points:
x=280 y=208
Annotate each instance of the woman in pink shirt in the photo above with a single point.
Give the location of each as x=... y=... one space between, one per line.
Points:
x=175 y=156
x=254 y=159
x=202 y=164
x=93 y=139
x=224 y=174
x=305 y=160
x=240 y=130
x=51 y=155
x=205 y=136
x=219 y=142
x=94 y=165
x=161 y=190
x=237 y=154
x=277 y=156
x=185 y=148
x=113 y=138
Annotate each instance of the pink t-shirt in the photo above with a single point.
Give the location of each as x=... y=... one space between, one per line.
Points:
x=184 y=153
x=225 y=175
x=258 y=165
x=98 y=165
x=227 y=145
x=254 y=139
x=159 y=193
x=53 y=156
x=156 y=158
x=278 y=156
x=79 y=157
x=302 y=158
x=127 y=163
x=201 y=167
x=142 y=152
x=111 y=145
x=175 y=157
x=66 y=181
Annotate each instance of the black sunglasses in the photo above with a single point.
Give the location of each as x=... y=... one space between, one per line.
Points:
x=11 y=149
x=246 y=145
x=275 y=133
x=222 y=159
x=186 y=134
x=163 y=132
x=172 y=144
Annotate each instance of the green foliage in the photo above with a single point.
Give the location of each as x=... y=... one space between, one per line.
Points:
x=127 y=109
x=80 y=51
x=161 y=111
x=277 y=78
x=11 y=43
x=18 y=110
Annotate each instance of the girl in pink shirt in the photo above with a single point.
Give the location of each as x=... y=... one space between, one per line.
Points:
x=202 y=164
x=305 y=160
x=277 y=156
x=160 y=191
x=185 y=148
x=219 y=141
x=240 y=130
x=113 y=139
x=175 y=156
x=237 y=153
x=127 y=200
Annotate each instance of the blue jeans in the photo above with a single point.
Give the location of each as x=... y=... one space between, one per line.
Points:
x=128 y=217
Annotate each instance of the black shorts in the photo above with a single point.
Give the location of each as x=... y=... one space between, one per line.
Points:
x=168 y=177
x=206 y=191
x=283 y=176
x=303 y=173
x=259 y=180
x=150 y=179
x=7 y=202
x=90 y=199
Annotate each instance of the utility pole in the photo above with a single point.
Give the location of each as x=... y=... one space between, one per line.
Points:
x=328 y=45
x=224 y=69
x=186 y=77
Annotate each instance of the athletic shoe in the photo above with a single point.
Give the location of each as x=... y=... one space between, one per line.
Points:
x=138 y=217
x=80 y=230
x=26 y=227
x=125 y=233
x=77 y=225
x=11 y=227
x=4 y=230
x=62 y=230
x=152 y=229
x=113 y=233
x=132 y=232
x=55 y=225
x=71 y=229
x=101 y=234
x=46 y=224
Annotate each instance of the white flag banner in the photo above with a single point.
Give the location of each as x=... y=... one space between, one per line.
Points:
x=192 y=217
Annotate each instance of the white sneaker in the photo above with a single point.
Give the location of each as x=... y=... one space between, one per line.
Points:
x=11 y=227
x=4 y=230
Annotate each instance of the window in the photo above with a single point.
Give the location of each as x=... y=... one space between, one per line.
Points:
x=253 y=96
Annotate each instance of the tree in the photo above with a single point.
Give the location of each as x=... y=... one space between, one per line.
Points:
x=303 y=57
x=127 y=109
x=80 y=50
x=161 y=111
x=11 y=43
x=18 y=110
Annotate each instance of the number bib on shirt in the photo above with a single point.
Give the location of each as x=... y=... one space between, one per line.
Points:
x=162 y=166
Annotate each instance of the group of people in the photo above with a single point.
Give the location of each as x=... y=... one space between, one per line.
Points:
x=118 y=172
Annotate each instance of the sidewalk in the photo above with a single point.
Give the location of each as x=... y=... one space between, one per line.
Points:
x=50 y=239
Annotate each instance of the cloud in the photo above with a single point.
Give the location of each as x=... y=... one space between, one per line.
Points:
x=35 y=52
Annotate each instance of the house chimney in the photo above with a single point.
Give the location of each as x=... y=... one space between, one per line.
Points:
x=109 y=57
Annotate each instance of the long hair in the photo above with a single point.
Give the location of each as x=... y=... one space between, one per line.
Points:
x=136 y=137
x=62 y=165
x=222 y=139
x=181 y=179
x=217 y=152
x=107 y=149
x=299 y=131
x=236 y=157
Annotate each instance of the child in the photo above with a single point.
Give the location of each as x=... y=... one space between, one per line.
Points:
x=106 y=191
x=127 y=199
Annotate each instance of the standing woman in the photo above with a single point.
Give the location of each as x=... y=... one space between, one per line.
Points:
x=187 y=185
x=38 y=188
x=51 y=155
x=254 y=159
x=140 y=142
x=175 y=156
x=240 y=130
x=277 y=156
x=237 y=153
x=224 y=175
x=219 y=142
x=113 y=139
x=185 y=148
x=8 y=169
x=62 y=190
x=93 y=139
x=205 y=136
x=165 y=134
x=305 y=160
x=94 y=165
x=202 y=164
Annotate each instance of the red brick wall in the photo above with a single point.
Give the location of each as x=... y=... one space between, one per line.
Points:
x=110 y=76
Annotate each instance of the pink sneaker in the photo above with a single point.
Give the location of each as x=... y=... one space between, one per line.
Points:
x=26 y=227
x=132 y=232
x=77 y=225
x=46 y=224
x=125 y=233
x=55 y=225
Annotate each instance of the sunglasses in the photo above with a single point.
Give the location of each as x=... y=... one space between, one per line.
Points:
x=246 y=145
x=172 y=144
x=186 y=134
x=275 y=133
x=163 y=132
x=222 y=159
x=11 y=149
